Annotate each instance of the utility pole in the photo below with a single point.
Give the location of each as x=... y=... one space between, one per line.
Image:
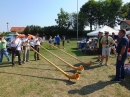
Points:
x=7 y=27
x=77 y=19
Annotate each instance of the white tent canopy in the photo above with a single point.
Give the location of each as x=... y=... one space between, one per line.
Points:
x=127 y=32
x=103 y=29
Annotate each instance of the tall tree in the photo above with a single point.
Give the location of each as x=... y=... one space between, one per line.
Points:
x=63 y=19
x=89 y=10
x=125 y=11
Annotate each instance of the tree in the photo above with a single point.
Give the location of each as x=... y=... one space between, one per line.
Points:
x=125 y=11
x=63 y=19
x=34 y=29
x=89 y=9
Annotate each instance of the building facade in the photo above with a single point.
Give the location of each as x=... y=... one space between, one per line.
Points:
x=125 y=25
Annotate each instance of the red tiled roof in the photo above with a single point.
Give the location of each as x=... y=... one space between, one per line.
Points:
x=126 y=21
x=17 y=29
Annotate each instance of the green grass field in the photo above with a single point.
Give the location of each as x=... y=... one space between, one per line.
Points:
x=40 y=79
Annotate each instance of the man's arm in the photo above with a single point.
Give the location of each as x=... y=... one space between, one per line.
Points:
x=123 y=50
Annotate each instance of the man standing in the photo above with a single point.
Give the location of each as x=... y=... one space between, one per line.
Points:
x=122 y=49
x=106 y=41
x=26 y=48
x=99 y=47
x=37 y=46
x=63 y=41
x=3 y=50
x=16 y=48
x=58 y=40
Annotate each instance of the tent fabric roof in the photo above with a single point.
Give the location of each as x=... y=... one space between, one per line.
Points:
x=103 y=29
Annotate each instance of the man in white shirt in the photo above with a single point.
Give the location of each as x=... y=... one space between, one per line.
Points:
x=26 y=48
x=16 y=48
x=36 y=46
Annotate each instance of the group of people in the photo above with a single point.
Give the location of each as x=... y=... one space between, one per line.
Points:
x=56 y=41
x=19 y=46
x=119 y=45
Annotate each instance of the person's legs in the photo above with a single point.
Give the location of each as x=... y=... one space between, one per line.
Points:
x=35 y=47
x=122 y=69
x=6 y=54
x=1 y=55
x=28 y=53
x=102 y=57
x=38 y=49
x=13 y=55
x=24 y=55
x=107 y=55
x=118 y=69
x=63 y=43
x=19 y=57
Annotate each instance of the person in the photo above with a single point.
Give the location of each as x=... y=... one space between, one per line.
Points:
x=54 y=41
x=26 y=48
x=50 y=42
x=106 y=41
x=99 y=47
x=3 y=49
x=113 y=46
x=63 y=41
x=58 y=40
x=122 y=49
x=36 y=46
x=129 y=40
x=16 y=48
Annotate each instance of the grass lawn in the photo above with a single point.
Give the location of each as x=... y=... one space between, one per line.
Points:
x=40 y=79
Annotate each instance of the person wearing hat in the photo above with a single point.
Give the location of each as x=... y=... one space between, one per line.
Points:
x=26 y=48
x=3 y=49
x=16 y=48
x=106 y=41
x=99 y=46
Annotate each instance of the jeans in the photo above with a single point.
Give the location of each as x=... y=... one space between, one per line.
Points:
x=4 y=52
x=120 y=73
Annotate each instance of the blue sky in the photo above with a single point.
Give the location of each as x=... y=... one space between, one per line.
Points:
x=20 y=13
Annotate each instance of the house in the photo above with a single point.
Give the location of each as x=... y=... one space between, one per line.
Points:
x=125 y=25
x=17 y=29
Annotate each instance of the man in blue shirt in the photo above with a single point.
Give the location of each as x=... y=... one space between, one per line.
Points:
x=122 y=49
x=58 y=40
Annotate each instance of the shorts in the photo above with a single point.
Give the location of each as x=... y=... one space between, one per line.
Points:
x=106 y=51
x=99 y=51
x=58 y=43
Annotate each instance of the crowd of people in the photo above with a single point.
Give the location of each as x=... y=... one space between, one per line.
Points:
x=21 y=46
x=56 y=41
x=119 y=45
x=105 y=44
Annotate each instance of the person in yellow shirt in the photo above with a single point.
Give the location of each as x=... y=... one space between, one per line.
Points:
x=106 y=41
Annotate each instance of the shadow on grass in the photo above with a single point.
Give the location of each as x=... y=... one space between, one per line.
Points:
x=5 y=64
x=87 y=67
x=68 y=82
x=74 y=48
x=88 y=89
x=38 y=68
x=125 y=83
x=79 y=53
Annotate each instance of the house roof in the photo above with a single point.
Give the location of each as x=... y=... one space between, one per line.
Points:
x=17 y=29
x=126 y=21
